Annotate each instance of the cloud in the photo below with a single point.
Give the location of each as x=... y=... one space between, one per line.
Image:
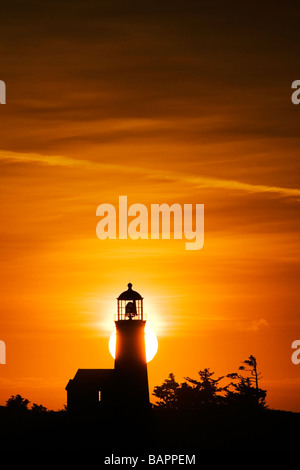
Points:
x=254 y=325
x=241 y=186
x=52 y=160
x=183 y=179
x=216 y=183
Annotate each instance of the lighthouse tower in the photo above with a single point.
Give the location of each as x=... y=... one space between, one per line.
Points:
x=126 y=386
x=130 y=356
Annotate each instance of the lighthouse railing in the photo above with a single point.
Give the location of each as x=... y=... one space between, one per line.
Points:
x=121 y=316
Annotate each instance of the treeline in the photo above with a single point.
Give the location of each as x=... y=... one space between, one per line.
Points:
x=236 y=391
x=18 y=404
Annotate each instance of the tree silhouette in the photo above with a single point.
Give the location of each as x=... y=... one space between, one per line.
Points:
x=206 y=389
x=246 y=393
x=207 y=392
x=255 y=375
x=17 y=403
x=184 y=396
x=167 y=393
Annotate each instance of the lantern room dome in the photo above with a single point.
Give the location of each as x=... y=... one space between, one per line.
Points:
x=130 y=294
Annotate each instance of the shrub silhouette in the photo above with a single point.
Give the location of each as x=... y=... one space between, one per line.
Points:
x=38 y=408
x=17 y=403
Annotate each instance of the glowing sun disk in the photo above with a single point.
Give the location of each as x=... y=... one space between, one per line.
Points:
x=150 y=339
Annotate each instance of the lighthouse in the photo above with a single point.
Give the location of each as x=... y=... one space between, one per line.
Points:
x=125 y=386
x=130 y=356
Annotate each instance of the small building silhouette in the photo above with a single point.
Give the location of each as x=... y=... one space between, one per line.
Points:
x=127 y=384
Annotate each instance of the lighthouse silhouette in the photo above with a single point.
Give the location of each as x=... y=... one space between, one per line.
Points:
x=125 y=386
x=130 y=356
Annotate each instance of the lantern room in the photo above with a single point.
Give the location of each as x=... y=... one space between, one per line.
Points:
x=130 y=305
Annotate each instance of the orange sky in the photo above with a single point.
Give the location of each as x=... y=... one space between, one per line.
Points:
x=162 y=103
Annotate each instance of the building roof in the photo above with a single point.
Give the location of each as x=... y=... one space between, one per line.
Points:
x=91 y=377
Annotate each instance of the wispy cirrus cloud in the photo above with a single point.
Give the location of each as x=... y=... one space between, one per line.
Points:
x=53 y=160
x=195 y=181
x=241 y=186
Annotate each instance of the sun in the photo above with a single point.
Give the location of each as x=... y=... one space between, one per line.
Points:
x=151 y=344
